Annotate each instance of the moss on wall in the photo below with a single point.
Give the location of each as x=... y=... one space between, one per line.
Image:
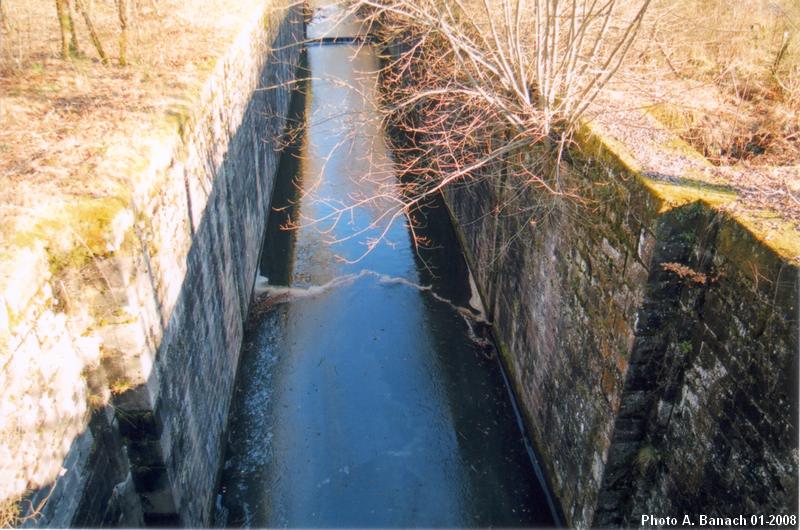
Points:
x=626 y=370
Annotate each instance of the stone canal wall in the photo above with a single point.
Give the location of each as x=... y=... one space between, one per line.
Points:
x=650 y=330
x=121 y=317
x=651 y=336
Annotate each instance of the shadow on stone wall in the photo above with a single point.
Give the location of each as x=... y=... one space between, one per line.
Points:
x=708 y=416
x=151 y=455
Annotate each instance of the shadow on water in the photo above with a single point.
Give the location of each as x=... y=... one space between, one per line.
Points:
x=363 y=398
x=278 y=246
x=441 y=264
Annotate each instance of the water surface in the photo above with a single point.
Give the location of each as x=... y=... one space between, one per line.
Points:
x=363 y=398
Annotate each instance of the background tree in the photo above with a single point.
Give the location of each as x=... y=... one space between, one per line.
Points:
x=5 y=25
x=92 y=32
x=122 y=10
x=69 y=39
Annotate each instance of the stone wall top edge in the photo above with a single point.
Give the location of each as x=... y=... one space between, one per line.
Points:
x=768 y=229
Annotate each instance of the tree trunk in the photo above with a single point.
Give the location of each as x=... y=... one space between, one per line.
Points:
x=63 y=24
x=73 y=46
x=95 y=39
x=122 y=8
x=785 y=40
x=5 y=26
x=69 y=48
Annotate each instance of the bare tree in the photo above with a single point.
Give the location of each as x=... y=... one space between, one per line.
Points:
x=5 y=25
x=122 y=10
x=493 y=89
x=69 y=39
x=538 y=63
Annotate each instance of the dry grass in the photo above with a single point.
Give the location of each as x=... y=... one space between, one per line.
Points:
x=163 y=33
x=725 y=76
x=66 y=125
x=714 y=71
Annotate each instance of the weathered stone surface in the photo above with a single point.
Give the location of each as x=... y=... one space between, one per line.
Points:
x=200 y=227
x=164 y=275
x=645 y=392
x=563 y=299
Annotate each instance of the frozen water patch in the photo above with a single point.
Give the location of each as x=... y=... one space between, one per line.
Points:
x=286 y=293
x=278 y=294
x=474 y=316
